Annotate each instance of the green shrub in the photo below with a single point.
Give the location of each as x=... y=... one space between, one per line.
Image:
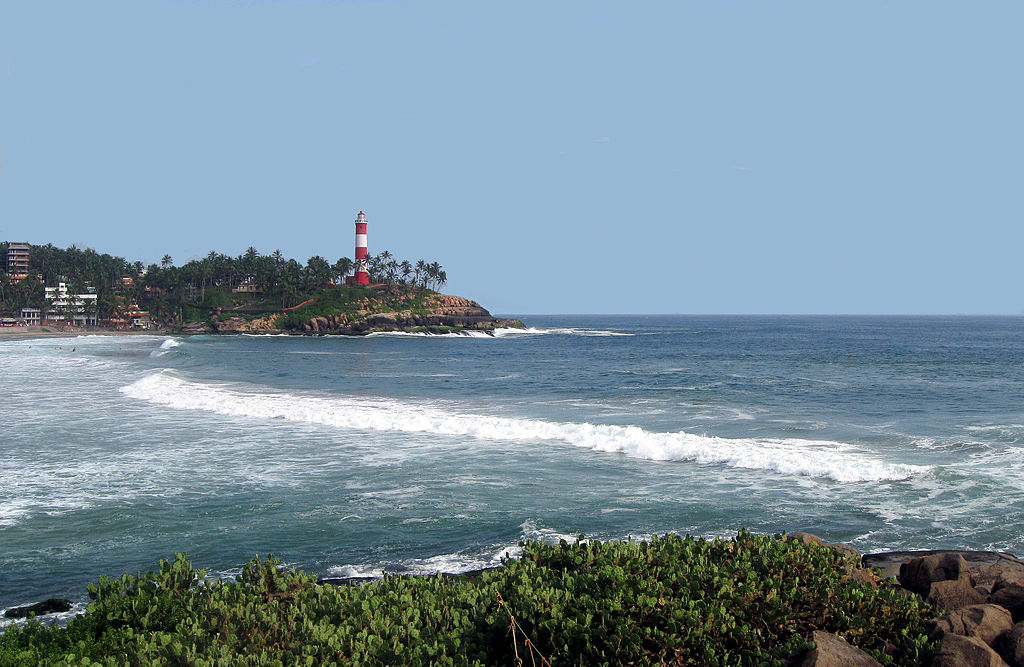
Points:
x=752 y=600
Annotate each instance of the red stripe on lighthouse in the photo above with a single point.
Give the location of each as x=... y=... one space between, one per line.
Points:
x=361 y=275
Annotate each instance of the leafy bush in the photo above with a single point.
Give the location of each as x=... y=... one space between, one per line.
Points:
x=752 y=600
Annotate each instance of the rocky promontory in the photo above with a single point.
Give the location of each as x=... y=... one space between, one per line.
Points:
x=379 y=309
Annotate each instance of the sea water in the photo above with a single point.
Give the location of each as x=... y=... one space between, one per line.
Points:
x=349 y=456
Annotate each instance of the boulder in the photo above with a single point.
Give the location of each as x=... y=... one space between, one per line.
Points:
x=805 y=538
x=960 y=651
x=953 y=594
x=1011 y=597
x=889 y=561
x=1006 y=571
x=1010 y=645
x=919 y=574
x=834 y=651
x=865 y=577
x=850 y=551
x=51 y=606
x=984 y=621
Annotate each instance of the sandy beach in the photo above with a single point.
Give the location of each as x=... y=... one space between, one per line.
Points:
x=58 y=332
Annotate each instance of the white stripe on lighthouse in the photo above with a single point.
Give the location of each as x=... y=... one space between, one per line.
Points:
x=360 y=240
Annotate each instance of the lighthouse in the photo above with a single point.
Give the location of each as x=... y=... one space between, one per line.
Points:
x=362 y=267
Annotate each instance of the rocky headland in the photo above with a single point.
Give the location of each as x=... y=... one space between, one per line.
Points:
x=386 y=309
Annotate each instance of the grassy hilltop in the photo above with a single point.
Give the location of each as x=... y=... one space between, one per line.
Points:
x=344 y=309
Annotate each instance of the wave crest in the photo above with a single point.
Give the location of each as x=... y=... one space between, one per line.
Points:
x=813 y=458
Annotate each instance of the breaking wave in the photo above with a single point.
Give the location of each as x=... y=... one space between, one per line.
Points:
x=458 y=562
x=165 y=347
x=838 y=461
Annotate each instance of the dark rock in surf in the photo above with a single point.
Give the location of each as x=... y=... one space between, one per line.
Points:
x=51 y=606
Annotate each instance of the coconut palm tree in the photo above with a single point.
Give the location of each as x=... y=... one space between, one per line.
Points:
x=342 y=268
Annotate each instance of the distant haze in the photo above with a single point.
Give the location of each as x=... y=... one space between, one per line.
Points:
x=554 y=157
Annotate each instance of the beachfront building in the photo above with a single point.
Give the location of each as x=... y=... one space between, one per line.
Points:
x=31 y=316
x=17 y=259
x=74 y=308
x=129 y=316
x=140 y=319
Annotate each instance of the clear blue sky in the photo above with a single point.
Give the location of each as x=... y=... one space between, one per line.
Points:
x=555 y=157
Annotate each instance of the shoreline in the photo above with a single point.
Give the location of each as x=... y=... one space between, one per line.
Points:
x=7 y=333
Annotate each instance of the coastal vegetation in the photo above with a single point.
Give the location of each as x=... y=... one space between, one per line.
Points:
x=750 y=600
x=248 y=285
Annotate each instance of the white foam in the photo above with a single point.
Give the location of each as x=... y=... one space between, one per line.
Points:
x=570 y=331
x=424 y=334
x=166 y=346
x=458 y=562
x=839 y=461
x=58 y=618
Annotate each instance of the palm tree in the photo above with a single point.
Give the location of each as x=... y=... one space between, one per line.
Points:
x=342 y=268
x=166 y=261
x=420 y=273
x=317 y=272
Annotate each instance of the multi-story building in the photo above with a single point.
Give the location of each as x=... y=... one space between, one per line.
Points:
x=17 y=259
x=76 y=308
x=32 y=316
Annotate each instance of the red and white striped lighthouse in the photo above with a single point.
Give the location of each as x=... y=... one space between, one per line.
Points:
x=362 y=267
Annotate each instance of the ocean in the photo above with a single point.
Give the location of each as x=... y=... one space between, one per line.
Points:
x=349 y=456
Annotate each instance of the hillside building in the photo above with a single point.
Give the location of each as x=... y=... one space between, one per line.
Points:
x=75 y=308
x=17 y=259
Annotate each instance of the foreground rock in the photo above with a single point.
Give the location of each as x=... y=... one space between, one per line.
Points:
x=960 y=651
x=889 y=562
x=51 y=606
x=1010 y=645
x=834 y=651
x=984 y=621
x=919 y=574
x=1011 y=597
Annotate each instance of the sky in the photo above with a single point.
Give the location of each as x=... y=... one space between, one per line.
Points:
x=686 y=156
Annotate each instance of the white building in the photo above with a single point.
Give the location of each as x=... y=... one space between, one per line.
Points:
x=78 y=308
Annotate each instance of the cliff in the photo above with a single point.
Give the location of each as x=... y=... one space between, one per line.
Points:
x=360 y=311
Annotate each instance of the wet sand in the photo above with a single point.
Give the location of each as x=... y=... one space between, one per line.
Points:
x=8 y=333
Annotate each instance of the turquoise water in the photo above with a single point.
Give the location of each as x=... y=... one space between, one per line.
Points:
x=355 y=456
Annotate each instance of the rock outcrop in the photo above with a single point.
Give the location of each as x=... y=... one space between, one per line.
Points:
x=984 y=621
x=918 y=574
x=51 y=606
x=980 y=590
x=1010 y=645
x=834 y=651
x=386 y=309
x=960 y=651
